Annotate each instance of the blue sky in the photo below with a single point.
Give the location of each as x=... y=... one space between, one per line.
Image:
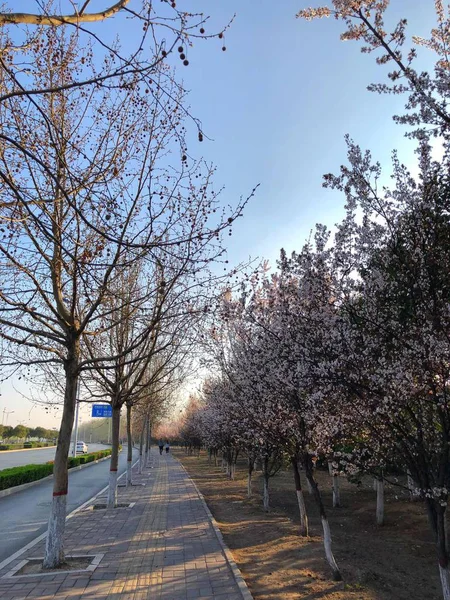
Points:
x=276 y=106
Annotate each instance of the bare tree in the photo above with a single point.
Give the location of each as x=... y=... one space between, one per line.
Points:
x=86 y=186
x=158 y=29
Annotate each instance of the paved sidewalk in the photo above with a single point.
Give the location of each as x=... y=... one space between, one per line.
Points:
x=162 y=548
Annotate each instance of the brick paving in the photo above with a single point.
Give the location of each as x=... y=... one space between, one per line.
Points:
x=162 y=548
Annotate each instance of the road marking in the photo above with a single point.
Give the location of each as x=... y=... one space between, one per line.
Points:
x=36 y=540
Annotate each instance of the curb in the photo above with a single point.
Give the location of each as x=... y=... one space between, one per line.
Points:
x=39 y=538
x=25 y=486
x=240 y=581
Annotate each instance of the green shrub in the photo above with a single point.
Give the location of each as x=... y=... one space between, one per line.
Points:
x=73 y=461
x=28 y=445
x=87 y=458
x=25 y=474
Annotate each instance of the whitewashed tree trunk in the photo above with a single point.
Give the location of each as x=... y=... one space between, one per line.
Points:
x=328 y=552
x=325 y=525
x=141 y=450
x=336 y=491
x=380 y=501
x=412 y=487
x=112 y=484
x=54 y=545
x=445 y=582
x=249 y=478
x=147 y=442
x=129 y=447
x=266 y=496
x=304 y=526
x=112 y=489
x=335 y=486
x=442 y=548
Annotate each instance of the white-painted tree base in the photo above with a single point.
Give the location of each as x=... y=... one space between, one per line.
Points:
x=380 y=501
x=336 y=491
x=54 y=546
x=304 y=526
x=112 y=490
x=129 y=473
x=445 y=582
x=266 y=496
x=328 y=553
x=412 y=487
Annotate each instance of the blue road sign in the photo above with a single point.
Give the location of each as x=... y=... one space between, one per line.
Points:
x=101 y=410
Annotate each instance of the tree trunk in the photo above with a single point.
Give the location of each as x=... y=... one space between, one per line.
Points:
x=335 y=487
x=325 y=525
x=54 y=546
x=300 y=499
x=249 y=477
x=442 y=550
x=233 y=469
x=112 y=489
x=215 y=458
x=436 y=519
x=380 y=501
x=129 y=447
x=412 y=487
x=266 y=497
x=141 y=449
x=147 y=441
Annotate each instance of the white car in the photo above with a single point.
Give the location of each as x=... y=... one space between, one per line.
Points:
x=82 y=448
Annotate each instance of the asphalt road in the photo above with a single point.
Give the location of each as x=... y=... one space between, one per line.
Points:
x=24 y=515
x=16 y=458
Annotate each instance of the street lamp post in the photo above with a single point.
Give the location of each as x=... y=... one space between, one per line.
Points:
x=6 y=412
x=77 y=412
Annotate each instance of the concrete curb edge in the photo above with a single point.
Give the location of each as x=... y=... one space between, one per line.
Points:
x=240 y=581
x=37 y=539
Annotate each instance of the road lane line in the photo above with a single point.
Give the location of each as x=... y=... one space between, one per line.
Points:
x=36 y=540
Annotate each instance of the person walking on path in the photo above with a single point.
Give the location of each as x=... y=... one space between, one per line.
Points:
x=167 y=447
x=161 y=446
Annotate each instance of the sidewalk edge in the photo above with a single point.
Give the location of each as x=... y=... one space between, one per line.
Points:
x=240 y=581
x=40 y=537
